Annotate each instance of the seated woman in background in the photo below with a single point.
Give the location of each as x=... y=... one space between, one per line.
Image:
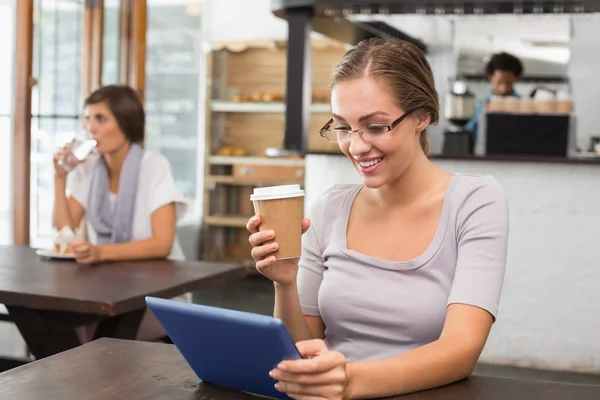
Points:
x=400 y=277
x=127 y=195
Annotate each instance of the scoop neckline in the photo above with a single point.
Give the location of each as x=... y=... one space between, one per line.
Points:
x=418 y=261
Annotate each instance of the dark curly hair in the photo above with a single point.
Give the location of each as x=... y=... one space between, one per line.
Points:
x=504 y=62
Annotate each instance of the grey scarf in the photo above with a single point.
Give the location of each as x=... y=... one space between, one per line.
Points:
x=114 y=225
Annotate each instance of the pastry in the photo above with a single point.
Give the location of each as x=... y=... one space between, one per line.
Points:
x=63 y=239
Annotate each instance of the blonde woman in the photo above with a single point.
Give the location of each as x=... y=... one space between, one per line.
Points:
x=400 y=277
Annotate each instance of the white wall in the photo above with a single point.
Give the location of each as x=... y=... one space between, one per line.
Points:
x=549 y=315
x=240 y=20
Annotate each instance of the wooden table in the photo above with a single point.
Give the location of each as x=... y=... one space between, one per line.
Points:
x=47 y=299
x=121 y=369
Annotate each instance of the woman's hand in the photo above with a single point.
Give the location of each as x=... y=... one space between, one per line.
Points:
x=283 y=272
x=85 y=252
x=59 y=171
x=321 y=374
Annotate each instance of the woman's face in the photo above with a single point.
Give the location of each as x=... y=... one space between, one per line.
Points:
x=363 y=103
x=103 y=128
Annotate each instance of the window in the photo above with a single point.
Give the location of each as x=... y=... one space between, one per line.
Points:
x=56 y=101
x=111 y=42
x=7 y=29
x=172 y=90
x=173 y=75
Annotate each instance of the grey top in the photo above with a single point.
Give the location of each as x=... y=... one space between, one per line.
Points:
x=375 y=309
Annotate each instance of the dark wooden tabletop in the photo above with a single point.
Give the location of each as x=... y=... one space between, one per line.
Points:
x=27 y=280
x=120 y=369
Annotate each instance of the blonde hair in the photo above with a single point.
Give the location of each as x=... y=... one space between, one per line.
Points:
x=402 y=66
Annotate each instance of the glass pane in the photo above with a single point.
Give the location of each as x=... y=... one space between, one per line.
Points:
x=67 y=66
x=57 y=56
x=56 y=101
x=47 y=135
x=111 y=45
x=7 y=30
x=5 y=179
x=173 y=71
x=7 y=17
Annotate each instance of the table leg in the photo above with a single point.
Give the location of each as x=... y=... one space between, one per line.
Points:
x=124 y=326
x=43 y=337
x=50 y=332
x=7 y=362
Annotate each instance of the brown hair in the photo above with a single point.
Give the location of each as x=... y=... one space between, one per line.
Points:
x=402 y=66
x=125 y=105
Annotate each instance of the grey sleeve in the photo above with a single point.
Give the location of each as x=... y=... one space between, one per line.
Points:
x=310 y=269
x=482 y=239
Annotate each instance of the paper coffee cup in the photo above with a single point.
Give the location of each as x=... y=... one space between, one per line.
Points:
x=281 y=209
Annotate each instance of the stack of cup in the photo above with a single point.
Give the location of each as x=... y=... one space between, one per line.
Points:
x=564 y=104
x=527 y=106
x=496 y=104
x=544 y=102
x=512 y=104
x=281 y=209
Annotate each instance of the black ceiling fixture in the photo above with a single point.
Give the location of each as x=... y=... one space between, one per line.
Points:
x=331 y=8
x=334 y=18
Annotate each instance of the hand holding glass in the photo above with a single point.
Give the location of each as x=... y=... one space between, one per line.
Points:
x=74 y=153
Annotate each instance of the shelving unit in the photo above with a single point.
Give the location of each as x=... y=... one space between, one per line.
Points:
x=239 y=122
x=260 y=107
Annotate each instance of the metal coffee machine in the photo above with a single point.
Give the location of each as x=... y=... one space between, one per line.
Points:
x=459 y=109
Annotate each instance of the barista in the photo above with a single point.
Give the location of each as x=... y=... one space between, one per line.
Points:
x=502 y=70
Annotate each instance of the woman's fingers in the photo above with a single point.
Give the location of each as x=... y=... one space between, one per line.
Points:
x=81 y=251
x=262 y=264
x=305 y=225
x=260 y=252
x=258 y=238
x=253 y=223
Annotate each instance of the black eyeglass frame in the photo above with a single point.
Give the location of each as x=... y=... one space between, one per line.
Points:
x=323 y=131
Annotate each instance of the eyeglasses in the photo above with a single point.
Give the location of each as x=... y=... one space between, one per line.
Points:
x=370 y=133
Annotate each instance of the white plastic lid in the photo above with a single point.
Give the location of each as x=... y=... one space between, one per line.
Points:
x=276 y=192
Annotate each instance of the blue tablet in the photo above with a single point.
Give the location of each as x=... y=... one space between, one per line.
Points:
x=224 y=347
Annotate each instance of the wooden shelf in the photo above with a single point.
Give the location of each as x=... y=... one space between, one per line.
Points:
x=231 y=160
x=232 y=180
x=226 y=221
x=259 y=107
x=254 y=127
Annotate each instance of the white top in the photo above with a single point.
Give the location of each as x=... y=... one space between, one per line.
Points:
x=156 y=188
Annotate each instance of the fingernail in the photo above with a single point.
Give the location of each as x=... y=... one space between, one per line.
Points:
x=272 y=259
x=271 y=234
x=282 y=367
x=272 y=373
x=274 y=246
x=278 y=386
